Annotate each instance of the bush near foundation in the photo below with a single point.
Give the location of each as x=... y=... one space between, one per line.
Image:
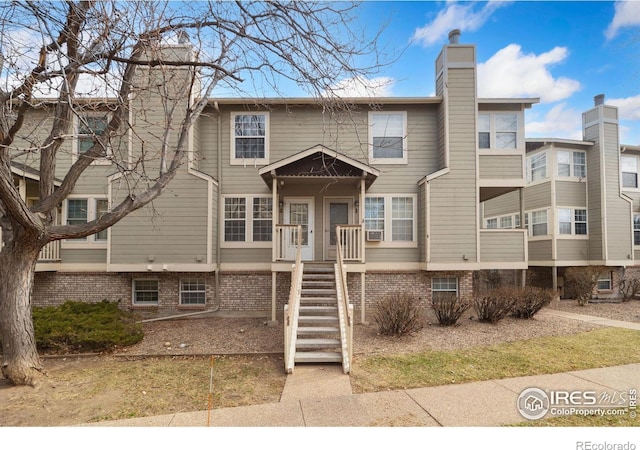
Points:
x=398 y=314
x=629 y=287
x=580 y=282
x=530 y=301
x=448 y=308
x=494 y=306
x=82 y=327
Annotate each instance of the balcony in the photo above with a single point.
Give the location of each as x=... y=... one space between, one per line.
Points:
x=504 y=249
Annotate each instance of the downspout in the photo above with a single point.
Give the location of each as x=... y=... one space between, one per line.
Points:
x=218 y=252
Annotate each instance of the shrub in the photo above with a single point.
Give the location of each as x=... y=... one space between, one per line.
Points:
x=398 y=314
x=530 y=301
x=581 y=281
x=495 y=305
x=629 y=287
x=449 y=308
x=77 y=327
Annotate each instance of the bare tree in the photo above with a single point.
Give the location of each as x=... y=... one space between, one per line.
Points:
x=61 y=60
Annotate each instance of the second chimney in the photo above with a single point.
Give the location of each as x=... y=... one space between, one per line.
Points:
x=598 y=100
x=454 y=36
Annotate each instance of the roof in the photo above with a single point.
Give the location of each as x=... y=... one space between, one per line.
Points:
x=318 y=162
x=319 y=100
x=22 y=170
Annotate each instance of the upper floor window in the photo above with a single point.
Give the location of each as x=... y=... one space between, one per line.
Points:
x=394 y=215
x=504 y=222
x=629 y=166
x=248 y=219
x=82 y=210
x=387 y=137
x=572 y=221
x=250 y=138
x=89 y=126
x=572 y=164
x=537 y=167
x=636 y=229
x=536 y=222
x=497 y=130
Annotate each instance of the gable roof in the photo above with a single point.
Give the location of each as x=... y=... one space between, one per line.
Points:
x=319 y=162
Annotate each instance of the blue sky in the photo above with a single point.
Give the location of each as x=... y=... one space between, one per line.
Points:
x=565 y=53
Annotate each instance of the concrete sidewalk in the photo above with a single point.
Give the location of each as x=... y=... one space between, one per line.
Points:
x=321 y=396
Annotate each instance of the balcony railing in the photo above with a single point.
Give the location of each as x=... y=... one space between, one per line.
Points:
x=50 y=252
x=286 y=243
x=351 y=240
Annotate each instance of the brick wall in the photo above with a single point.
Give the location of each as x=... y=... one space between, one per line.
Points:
x=239 y=291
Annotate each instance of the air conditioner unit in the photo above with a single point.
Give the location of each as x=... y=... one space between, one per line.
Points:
x=374 y=235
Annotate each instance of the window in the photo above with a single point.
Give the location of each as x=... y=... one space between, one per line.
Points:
x=629 y=171
x=193 y=292
x=250 y=138
x=505 y=222
x=492 y=224
x=536 y=222
x=572 y=164
x=82 y=210
x=88 y=128
x=604 y=282
x=572 y=221
x=497 y=131
x=393 y=213
x=537 y=167
x=145 y=292
x=248 y=219
x=402 y=219
x=636 y=229
x=387 y=138
x=443 y=287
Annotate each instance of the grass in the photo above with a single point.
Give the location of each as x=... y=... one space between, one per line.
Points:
x=598 y=348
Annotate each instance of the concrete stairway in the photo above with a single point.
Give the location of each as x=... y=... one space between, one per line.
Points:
x=318 y=339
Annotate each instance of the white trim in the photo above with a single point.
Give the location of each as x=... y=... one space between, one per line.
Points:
x=74 y=142
x=232 y=137
x=248 y=221
x=470 y=266
x=89 y=242
x=387 y=242
x=71 y=267
x=382 y=161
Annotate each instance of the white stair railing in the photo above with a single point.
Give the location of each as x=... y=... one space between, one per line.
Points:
x=345 y=309
x=351 y=239
x=292 y=309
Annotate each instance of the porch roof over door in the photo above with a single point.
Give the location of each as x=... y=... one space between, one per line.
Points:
x=316 y=163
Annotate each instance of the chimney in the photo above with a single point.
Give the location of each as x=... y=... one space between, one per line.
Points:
x=598 y=100
x=454 y=36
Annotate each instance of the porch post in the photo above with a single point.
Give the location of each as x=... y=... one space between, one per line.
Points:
x=274 y=289
x=362 y=302
x=523 y=276
x=274 y=219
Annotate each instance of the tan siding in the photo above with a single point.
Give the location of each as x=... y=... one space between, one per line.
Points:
x=572 y=249
x=500 y=245
x=570 y=193
x=500 y=166
x=505 y=204
x=83 y=256
x=245 y=255
x=540 y=250
x=392 y=255
x=537 y=196
x=172 y=230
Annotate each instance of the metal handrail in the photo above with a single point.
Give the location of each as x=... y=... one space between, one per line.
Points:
x=292 y=309
x=345 y=309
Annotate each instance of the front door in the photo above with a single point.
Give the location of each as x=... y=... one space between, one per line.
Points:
x=337 y=211
x=299 y=211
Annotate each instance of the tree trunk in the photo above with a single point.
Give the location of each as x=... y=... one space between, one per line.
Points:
x=21 y=363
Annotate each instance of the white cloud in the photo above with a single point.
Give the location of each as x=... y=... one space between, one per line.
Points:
x=363 y=87
x=465 y=17
x=627 y=15
x=559 y=122
x=511 y=73
x=628 y=108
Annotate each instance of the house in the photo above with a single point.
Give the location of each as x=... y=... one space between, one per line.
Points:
x=581 y=203
x=404 y=179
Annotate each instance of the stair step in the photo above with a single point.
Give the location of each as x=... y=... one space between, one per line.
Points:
x=318 y=343
x=318 y=300
x=306 y=331
x=317 y=292
x=318 y=310
x=317 y=357
x=317 y=319
x=318 y=276
x=318 y=269
x=319 y=284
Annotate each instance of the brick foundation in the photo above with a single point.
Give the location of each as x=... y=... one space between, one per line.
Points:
x=239 y=291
